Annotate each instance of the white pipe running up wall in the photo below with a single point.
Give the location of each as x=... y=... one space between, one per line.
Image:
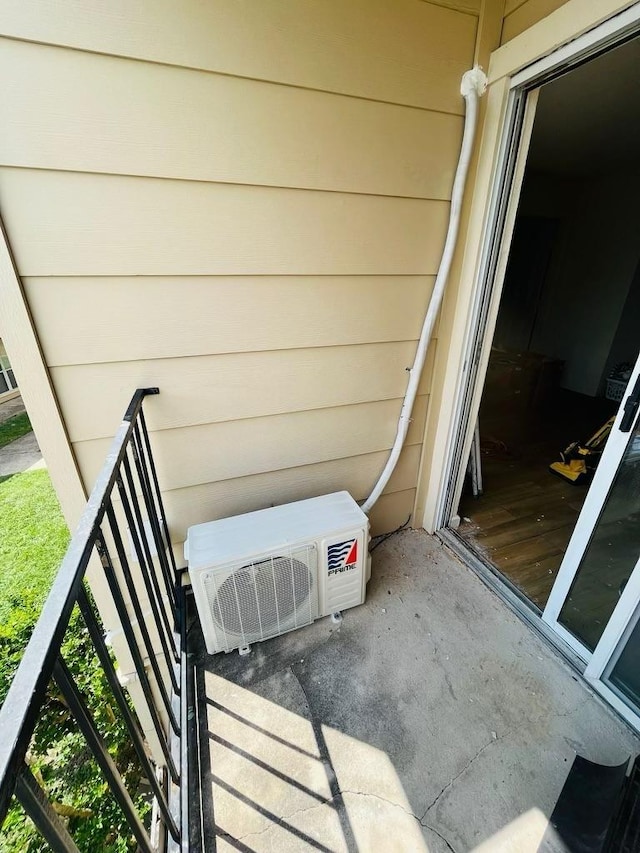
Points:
x=474 y=83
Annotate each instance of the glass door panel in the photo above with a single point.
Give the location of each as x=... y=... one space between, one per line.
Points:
x=622 y=673
x=611 y=554
x=605 y=545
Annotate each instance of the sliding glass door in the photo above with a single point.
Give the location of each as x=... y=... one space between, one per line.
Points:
x=595 y=603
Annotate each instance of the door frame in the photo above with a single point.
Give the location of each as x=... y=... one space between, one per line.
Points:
x=565 y=39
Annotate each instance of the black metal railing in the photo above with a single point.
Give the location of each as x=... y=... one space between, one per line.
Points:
x=126 y=494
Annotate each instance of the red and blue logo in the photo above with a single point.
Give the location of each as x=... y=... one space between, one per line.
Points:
x=342 y=556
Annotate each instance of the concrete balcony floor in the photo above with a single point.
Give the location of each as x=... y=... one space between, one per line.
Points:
x=432 y=719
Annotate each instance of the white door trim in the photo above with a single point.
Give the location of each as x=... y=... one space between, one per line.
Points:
x=568 y=36
x=512 y=161
x=561 y=30
x=608 y=32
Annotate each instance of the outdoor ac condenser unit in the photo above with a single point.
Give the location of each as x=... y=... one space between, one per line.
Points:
x=259 y=575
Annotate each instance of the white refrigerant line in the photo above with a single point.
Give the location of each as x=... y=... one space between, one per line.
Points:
x=474 y=83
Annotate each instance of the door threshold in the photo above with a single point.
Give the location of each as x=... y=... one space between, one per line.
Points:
x=513 y=598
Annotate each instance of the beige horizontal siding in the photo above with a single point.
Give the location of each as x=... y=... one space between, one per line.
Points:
x=400 y=51
x=210 y=127
x=244 y=204
x=222 y=451
x=522 y=14
x=216 y=388
x=198 y=504
x=392 y=510
x=65 y=224
x=511 y=5
x=128 y=319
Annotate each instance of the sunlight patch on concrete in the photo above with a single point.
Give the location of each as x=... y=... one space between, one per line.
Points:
x=279 y=783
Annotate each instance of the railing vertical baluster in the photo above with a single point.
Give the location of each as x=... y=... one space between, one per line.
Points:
x=132 y=643
x=184 y=723
x=153 y=510
x=146 y=453
x=135 y=602
x=78 y=708
x=145 y=561
x=170 y=613
x=35 y=803
x=130 y=720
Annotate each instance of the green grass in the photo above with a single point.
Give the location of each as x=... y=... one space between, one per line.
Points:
x=33 y=538
x=15 y=427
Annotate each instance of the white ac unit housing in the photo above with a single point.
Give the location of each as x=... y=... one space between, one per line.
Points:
x=261 y=574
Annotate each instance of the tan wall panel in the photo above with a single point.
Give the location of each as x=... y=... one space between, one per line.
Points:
x=212 y=452
x=526 y=15
x=64 y=223
x=232 y=387
x=357 y=475
x=66 y=109
x=511 y=5
x=392 y=510
x=401 y=51
x=121 y=319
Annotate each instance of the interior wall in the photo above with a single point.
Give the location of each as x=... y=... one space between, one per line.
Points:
x=244 y=204
x=589 y=277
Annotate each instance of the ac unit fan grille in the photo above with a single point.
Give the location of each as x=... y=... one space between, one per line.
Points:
x=263 y=599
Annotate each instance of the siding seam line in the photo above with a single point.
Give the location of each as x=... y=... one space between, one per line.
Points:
x=5 y=166
x=40 y=279
x=62 y=366
x=453 y=8
x=278 y=470
x=425 y=394
x=265 y=80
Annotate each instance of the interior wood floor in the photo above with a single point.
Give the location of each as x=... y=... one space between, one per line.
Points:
x=523 y=521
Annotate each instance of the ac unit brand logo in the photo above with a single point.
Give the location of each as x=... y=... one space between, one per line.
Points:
x=342 y=557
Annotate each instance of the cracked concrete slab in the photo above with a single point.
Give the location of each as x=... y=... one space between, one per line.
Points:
x=432 y=719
